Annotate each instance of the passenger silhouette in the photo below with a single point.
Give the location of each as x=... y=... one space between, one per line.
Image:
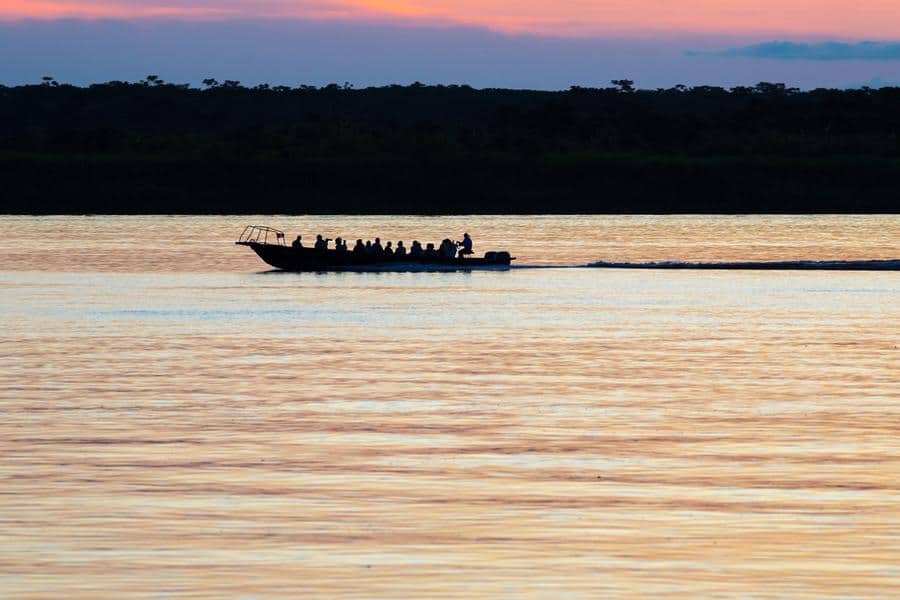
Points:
x=430 y=252
x=359 y=248
x=377 y=249
x=321 y=243
x=388 y=250
x=401 y=249
x=368 y=246
x=448 y=249
x=416 y=249
x=297 y=243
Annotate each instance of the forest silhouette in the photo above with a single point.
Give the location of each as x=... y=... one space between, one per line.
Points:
x=155 y=147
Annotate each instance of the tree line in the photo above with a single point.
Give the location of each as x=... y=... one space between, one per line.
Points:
x=153 y=146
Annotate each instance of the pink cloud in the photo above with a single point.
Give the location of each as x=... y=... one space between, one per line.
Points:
x=188 y=9
x=869 y=19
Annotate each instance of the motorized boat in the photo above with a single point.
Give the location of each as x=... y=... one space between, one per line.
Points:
x=269 y=244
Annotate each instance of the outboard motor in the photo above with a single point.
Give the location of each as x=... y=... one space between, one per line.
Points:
x=497 y=258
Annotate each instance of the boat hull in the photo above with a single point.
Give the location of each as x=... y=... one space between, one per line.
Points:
x=288 y=258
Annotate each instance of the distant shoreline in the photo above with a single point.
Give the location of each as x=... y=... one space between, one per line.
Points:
x=157 y=148
x=601 y=185
x=448 y=214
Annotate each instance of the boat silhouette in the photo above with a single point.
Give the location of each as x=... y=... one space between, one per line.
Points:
x=269 y=244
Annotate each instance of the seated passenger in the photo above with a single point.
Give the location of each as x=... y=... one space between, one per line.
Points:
x=401 y=249
x=416 y=249
x=377 y=249
x=297 y=243
x=359 y=248
x=448 y=249
x=321 y=243
x=340 y=245
x=430 y=252
x=465 y=246
x=388 y=251
x=368 y=246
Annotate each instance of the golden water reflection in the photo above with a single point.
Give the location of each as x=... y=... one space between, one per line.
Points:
x=200 y=243
x=176 y=424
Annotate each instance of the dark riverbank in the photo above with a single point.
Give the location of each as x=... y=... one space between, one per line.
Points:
x=131 y=148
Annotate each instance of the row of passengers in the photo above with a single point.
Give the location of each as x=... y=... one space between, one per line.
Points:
x=376 y=249
x=321 y=243
x=447 y=249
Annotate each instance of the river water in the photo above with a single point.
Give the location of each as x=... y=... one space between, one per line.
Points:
x=178 y=422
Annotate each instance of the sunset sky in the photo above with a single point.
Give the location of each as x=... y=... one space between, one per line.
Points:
x=841 y=18
x=655 y=41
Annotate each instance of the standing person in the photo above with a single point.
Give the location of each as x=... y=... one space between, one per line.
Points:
x=465 y=245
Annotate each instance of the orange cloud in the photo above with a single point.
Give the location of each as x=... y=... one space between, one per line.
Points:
x=872 y=18
x=401 y=9
x=868 y=19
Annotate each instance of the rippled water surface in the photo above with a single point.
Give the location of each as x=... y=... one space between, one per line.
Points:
x=178 y=422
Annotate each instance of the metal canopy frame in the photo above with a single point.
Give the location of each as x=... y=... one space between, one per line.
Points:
x=260 y=234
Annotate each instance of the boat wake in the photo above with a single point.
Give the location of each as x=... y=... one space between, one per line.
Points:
x=789 y=265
